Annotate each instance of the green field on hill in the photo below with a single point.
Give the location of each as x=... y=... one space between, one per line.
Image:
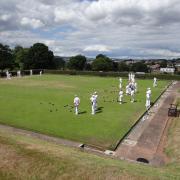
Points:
x=43 y=104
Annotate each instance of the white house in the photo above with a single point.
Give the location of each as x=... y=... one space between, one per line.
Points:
x=167 y=70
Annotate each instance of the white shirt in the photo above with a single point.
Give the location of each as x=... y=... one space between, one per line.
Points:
x=76 y=101
x=93 y=100
x=120 y=93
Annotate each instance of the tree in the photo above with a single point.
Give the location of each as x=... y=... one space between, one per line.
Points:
x=6 y=57
x=39 y=57
x=20 y=55
x=163 y=64
x=100 y=56
x=77 y=62
x=115 y=66
x=102 y=63
x=59 y=62
x=123 y=67
x=88 y=67
x=139 y=67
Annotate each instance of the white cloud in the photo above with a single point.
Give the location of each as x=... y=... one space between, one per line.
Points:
x=97 y=48
x=34 y=23
x=116 y=27
x=5 y=17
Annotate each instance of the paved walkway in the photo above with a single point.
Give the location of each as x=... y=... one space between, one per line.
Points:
x=144 y=140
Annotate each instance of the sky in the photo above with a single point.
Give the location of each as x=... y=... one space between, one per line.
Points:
x=117 y=28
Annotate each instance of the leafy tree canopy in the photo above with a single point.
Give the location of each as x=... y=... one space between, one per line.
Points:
x=6 y=57
x=102 y=63
x=77 y=62
x=39 y=57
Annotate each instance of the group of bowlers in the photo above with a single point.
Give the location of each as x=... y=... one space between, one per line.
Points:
x=93 y=100
x=131 y=89
x=9 y=75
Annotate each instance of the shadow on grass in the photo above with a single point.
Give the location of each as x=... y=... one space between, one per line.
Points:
x=82 y=112
x=99 y=110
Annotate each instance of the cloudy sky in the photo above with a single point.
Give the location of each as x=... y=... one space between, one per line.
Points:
x=117 y=28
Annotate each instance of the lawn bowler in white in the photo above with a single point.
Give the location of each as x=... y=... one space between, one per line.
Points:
x=76 y=104
x=19 y=73
x=155 y=82
x=93 y=104
x=132 y=95
x=40 y=73
x=96 y=97
x=129 y=77
x=136 y=87
x=133 y=78
x=8 y=75
x=31 y=72
x=120 y=96
x=127 y=89
x=120 y=83
x=148 y=98
x=120 y=80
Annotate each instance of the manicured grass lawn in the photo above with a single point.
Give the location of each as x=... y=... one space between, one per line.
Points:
x=28 y=103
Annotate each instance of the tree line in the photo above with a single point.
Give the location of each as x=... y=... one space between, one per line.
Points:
x=38 y=56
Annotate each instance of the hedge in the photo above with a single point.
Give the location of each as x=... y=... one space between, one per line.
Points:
x=114 y=74
x=96 y=73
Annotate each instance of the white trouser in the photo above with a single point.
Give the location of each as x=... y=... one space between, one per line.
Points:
x=148 y=103
x=76 y=110
x=120 y=99
x=93 y=108
x=8 y=76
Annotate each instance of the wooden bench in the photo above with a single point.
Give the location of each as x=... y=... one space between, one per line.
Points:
x=172 y=111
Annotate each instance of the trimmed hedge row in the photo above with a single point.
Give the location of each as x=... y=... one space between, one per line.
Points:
x=114 y=74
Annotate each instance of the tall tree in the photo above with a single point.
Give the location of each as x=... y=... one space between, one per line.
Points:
x=6 y=57
x=39 y=57
x=20 y=56
x=77 y=62
x=102 y=63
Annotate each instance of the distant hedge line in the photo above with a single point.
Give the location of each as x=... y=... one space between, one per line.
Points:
x=114 y=74
x=95 y=73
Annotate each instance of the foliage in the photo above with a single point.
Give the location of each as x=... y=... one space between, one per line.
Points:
x=59 y=63
x=163 y=64
x=6 y=57
x=77 y=62
x=20 y=55
x=139 y=67
x=102 y=63
x=123 y=67
x=39 y=57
